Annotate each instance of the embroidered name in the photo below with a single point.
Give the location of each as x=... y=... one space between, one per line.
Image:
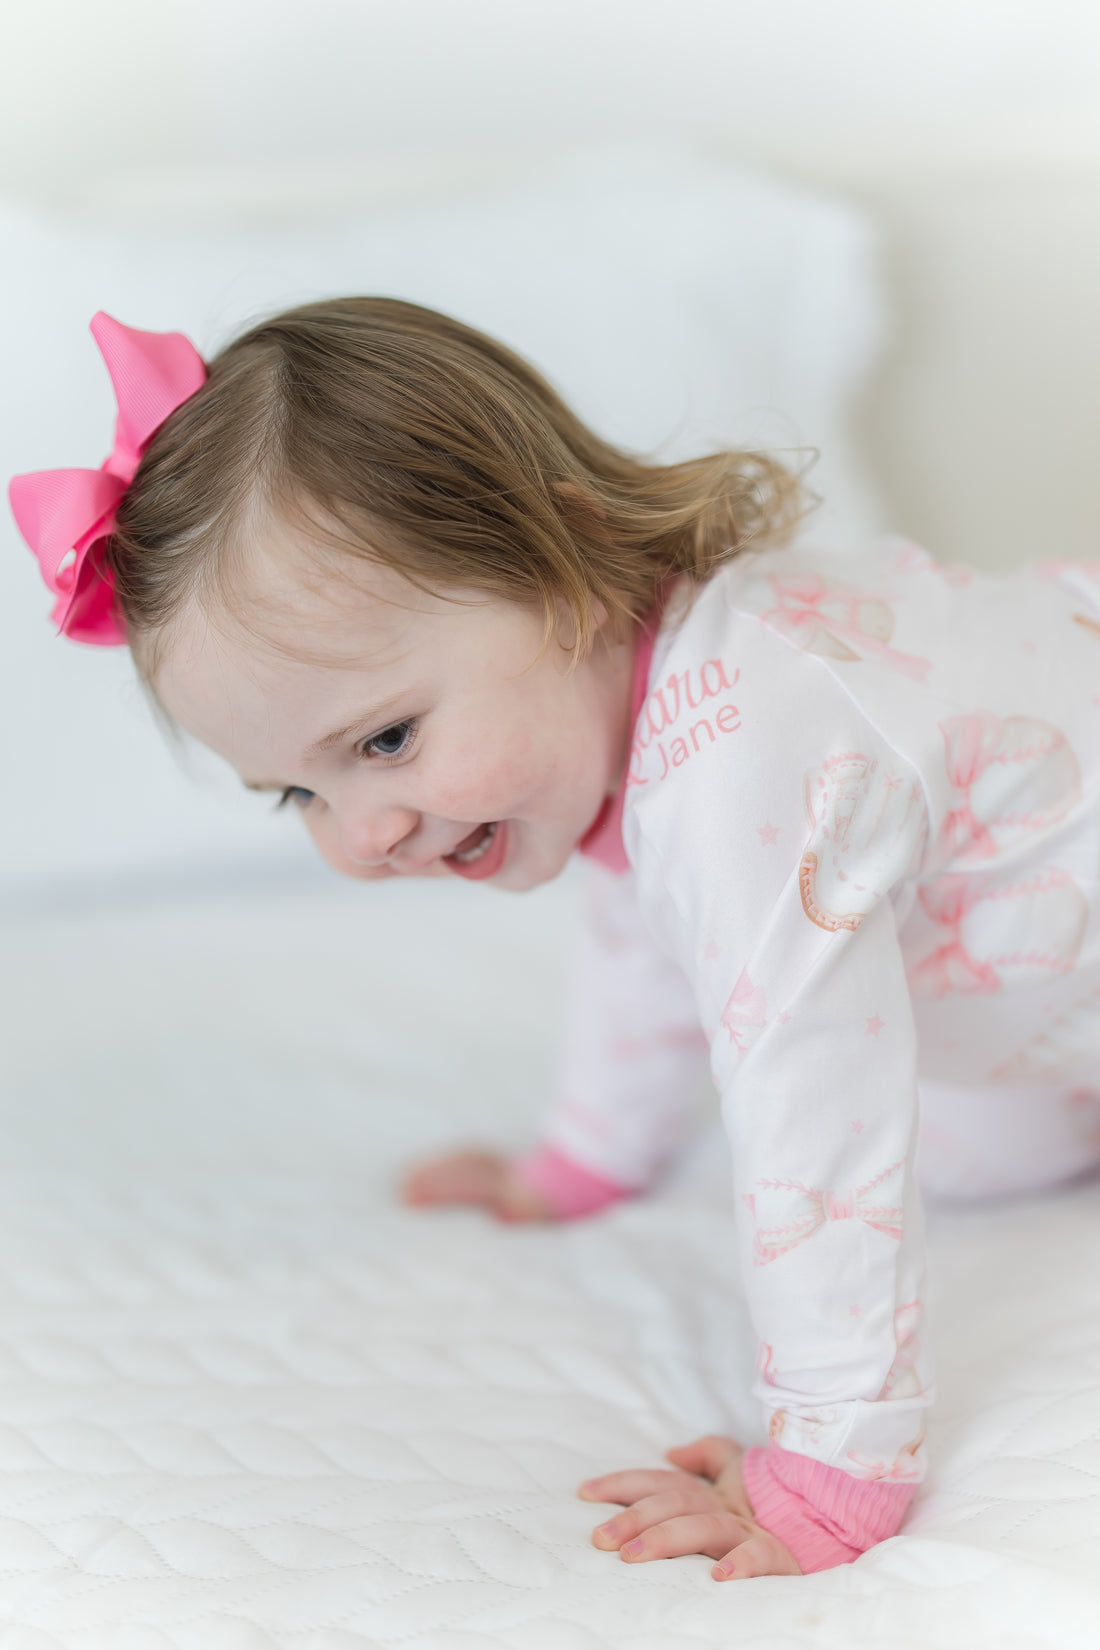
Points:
x=654 y=753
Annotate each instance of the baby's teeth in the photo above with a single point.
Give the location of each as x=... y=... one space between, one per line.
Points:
x=479 y=848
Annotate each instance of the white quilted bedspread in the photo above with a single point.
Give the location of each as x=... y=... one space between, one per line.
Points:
x=246 y=1401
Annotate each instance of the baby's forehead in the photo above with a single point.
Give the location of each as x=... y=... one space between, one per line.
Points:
x=315 y=602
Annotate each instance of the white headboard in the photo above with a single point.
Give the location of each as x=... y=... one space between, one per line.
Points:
x=970 y=128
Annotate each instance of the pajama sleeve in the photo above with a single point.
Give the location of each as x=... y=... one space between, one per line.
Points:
x=813 y=1048
x=633 y=1057
x=821 y=1115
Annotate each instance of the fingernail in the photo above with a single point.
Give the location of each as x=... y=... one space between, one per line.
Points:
x=723 y=1572
x=633 y=1547
x=606 y=1529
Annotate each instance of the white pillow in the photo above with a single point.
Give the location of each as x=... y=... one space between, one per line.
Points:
x=679 y=305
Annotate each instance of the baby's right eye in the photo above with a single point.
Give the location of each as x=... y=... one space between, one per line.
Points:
x=296 y=794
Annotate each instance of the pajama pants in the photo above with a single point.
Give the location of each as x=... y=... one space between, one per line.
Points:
x=989 y=1142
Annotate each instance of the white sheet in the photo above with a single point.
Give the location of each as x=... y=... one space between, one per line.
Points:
x=245 y=1401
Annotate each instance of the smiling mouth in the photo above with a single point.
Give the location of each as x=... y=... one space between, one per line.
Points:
x=474 y=846
x=481 y=854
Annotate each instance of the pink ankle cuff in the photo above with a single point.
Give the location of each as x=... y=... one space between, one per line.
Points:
x=822 y=1514
x=570 y=1189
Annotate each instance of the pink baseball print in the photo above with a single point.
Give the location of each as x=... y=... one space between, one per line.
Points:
x=1000 y=935
x=867 y=829
x=1014 y=775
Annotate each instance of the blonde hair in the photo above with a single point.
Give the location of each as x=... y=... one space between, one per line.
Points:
x=420 y=443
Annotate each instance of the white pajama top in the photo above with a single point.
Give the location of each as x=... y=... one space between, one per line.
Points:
x=862 y=820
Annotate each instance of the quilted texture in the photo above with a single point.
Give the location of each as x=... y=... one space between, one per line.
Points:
x=246 y=1401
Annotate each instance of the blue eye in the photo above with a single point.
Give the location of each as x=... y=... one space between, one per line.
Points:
x=296 y=794
x=392 y=742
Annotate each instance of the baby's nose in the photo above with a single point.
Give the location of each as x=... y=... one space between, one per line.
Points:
x=371 y=839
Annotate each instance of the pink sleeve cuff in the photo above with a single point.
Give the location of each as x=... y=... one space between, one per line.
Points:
x=822 y=1514
x=570 y=1189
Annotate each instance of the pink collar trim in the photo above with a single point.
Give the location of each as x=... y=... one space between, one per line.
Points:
x=603 y=840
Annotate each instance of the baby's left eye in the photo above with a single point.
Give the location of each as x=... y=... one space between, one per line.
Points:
x=297 y=794
x=392 y=742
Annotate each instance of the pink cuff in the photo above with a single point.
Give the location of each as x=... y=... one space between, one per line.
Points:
x=570 y=1189
x=822 y=1514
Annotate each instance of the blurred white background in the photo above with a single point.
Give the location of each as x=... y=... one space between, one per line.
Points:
x=195 y=161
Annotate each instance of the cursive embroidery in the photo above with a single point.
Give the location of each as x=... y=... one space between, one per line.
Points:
x=653 y=755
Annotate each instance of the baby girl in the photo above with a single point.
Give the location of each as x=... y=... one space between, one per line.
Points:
x=838 y=815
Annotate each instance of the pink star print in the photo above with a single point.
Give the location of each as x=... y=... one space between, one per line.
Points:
x=782 y=1016
x=875 y=1025
x=1028 y=647
x=768 y=834
x=857 y=1127
x=712 y=951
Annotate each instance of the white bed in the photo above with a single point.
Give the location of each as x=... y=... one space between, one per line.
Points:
x=247 y=1401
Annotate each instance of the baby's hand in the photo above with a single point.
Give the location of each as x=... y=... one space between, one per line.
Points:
x=479 y=1178
x=672 y=1513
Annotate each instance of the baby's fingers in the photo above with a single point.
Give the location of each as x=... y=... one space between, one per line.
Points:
x=460 y=1177
x=708 y=1457
x=689 y=1496
x=710 y=1533
x=759 y=1554
x=631 y=1485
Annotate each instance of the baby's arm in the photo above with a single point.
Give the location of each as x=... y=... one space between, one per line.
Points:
x=821 y=1114
x=814 y=1052
x=632 y=1059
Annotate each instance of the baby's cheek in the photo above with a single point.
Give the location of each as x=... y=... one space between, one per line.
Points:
x=482 y=791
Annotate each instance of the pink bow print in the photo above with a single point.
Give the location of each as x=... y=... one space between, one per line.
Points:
x=817 y=1208
x=808 y=606
x=971 y=745
x=64 y=515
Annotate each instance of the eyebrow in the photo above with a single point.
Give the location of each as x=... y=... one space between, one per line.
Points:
x=374 y=717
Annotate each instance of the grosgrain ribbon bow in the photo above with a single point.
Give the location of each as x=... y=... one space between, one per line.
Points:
x=65 y=515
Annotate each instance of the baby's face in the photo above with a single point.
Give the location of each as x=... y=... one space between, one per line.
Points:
x=403 y=725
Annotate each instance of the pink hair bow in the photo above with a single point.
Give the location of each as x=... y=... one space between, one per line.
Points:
x=65 y=515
